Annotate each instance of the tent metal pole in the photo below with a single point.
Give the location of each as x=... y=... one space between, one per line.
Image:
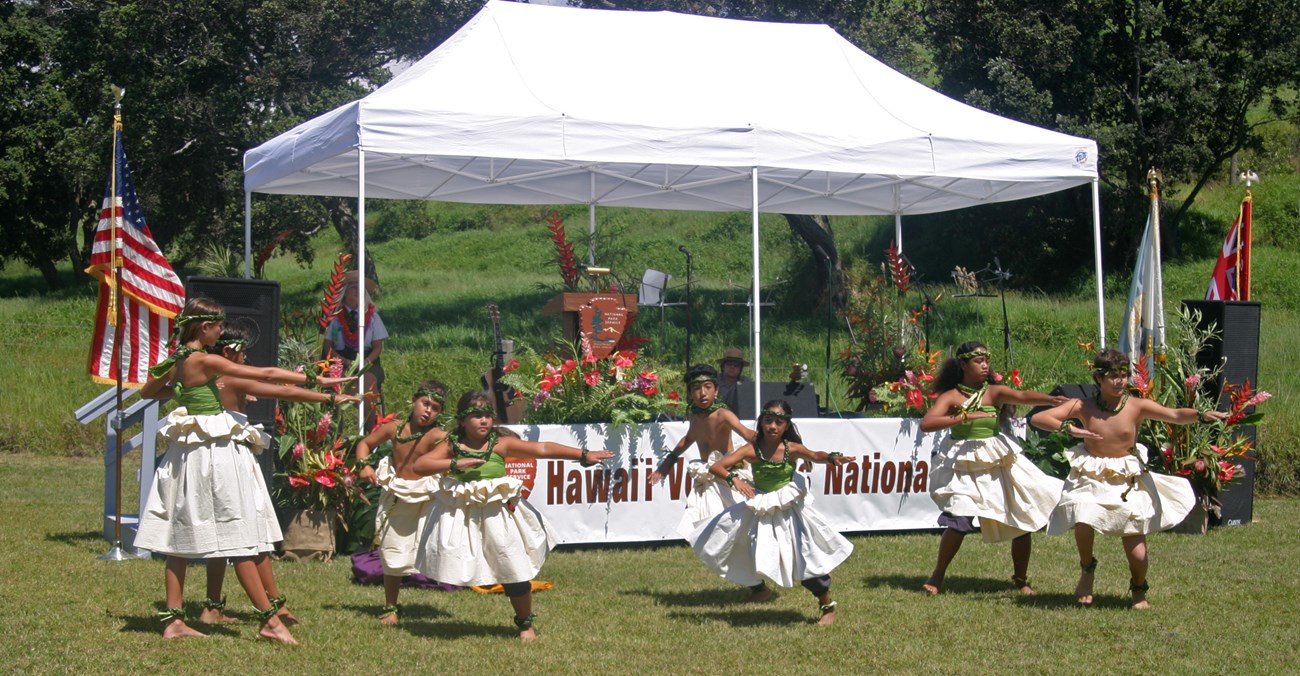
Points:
x=1096 y=258
x=755 y=305
x=248 y=235
x=361 y=283
x=591 y=221
x=898 y=231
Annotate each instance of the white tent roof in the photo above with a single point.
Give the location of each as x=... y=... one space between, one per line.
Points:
x=533 y=104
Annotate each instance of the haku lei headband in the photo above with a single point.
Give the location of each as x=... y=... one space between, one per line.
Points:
x=977 y=352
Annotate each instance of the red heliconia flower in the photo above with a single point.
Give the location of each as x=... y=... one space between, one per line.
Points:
x=1015 y=377
x=325 y=478
x=332 y=460
x=384 y=420
x=279 y=420
x=514 y=364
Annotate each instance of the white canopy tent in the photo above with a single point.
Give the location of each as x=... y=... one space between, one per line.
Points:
x=534 y=104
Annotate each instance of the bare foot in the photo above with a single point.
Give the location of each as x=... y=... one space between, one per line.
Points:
x=931 y=587
x=273 y=629
x=178 y=629
x=287 y=617
x=529 y=634
x=1022 y=583
x=828 y=618
x=761 y=596
x=1139 y=592
x=388 y=620
x=215 y=616
x=1083 y=591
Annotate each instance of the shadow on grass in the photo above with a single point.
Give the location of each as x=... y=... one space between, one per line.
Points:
x=457 y=630
x=1101 y=603
x=150 y=625
x=81 y=540
x=749 y=616
x=952 y=584
x=692 y=599
x=410 y=611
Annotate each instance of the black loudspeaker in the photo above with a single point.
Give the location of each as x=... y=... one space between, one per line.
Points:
x=259 y=301
x=1237 y=349
x=801 y=396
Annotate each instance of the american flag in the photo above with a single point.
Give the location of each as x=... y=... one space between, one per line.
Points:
x=152 y=292
x=1231 y=280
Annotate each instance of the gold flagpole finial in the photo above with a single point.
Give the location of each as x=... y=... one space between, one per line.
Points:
x=1154 y=179
x=1249 y=178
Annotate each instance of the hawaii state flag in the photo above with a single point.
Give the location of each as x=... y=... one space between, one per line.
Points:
x=152 y=293
x=1142 y=335
x=1231 y=280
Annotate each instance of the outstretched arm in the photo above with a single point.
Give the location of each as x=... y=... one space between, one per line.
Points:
x=549 y=449
x=214 y=366
x=832 y=458
x=750 y=436
x=265 y=390
x=1178 y=416
x=1000 y=395
x=1055 y=420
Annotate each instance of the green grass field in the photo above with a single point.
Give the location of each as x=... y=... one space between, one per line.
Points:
x=1223 y=603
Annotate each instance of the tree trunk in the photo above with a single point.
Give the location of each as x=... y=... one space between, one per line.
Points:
x=815 y=231
x=50 y=272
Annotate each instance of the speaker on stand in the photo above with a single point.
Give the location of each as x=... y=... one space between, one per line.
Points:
x=256 y=300
x=1237 y=349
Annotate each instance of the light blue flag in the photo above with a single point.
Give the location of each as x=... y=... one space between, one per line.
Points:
x=1142 y=334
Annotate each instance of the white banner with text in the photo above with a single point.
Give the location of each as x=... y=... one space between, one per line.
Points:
x=884 y=488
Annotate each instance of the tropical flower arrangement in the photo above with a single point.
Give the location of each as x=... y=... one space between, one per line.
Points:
x=888 y=340
x=910 y=395
x=314 y=452
x=579 y=388
x=1205 y=453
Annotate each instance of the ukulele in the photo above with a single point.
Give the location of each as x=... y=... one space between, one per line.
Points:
x=501 y=394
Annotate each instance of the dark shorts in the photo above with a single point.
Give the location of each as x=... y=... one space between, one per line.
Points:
x=961 y=524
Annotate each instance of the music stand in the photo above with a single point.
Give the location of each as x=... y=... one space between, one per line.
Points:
x=651 y=294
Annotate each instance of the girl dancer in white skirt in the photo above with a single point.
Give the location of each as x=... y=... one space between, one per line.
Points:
x=236 y=339
x=774 y=535
x=480 y=530
x=979 y=472
x=204 y=499
x=1109 y=488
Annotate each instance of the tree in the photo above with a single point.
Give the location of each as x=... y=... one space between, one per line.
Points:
x=1170 y=85
x=205 y=81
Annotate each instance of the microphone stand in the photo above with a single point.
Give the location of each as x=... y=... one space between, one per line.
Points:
x=1002 y=276
x=689 y=258
x=830 y=318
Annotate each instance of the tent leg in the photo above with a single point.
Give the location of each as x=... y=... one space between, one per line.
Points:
x=898 y=231
x=361 y=281
x=755 y=305
x=248 y=235
x=1096 y=257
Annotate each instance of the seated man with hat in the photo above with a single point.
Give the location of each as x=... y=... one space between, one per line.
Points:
x=731 y=382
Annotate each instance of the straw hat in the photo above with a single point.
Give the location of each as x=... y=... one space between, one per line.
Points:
x=733 y=354
x=350 y=279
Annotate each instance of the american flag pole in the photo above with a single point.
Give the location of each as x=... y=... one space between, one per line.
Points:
x=119 y=313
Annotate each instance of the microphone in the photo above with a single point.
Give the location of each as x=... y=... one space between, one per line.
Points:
x=593 y=270
x=683 y=249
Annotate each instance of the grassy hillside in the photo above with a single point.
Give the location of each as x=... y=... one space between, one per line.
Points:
x=437 y=278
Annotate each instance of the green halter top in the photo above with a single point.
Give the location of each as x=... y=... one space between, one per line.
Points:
x=201 y=400
x=980 y=428
x=494 y=466
x=772 y=476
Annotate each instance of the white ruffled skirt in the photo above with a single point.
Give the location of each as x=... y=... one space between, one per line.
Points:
x=776 y=537
x=1118 y=496
x=482 y=533
x=400 y=517
x=208 y=498
x=709 y=495
x=992 y=480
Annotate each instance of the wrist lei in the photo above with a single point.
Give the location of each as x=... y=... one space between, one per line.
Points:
x=583 y=459
x=310 y=375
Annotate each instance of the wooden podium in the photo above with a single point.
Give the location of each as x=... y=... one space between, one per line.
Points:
x=575 y=309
